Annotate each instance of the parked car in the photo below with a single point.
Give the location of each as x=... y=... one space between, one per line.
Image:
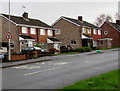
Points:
x=29 y=49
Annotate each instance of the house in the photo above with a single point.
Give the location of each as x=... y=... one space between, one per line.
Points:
x=76 y=32
x=111 y=32
x=26 y=32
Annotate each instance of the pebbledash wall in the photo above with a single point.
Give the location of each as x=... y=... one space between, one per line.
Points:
x=69 y=32
x=14 y=30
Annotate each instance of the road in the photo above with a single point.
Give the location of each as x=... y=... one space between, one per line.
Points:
x=59 y=72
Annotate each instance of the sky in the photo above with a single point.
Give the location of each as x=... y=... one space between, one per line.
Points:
x=49 y=11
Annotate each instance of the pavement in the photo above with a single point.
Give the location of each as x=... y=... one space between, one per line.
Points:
x=48 y=58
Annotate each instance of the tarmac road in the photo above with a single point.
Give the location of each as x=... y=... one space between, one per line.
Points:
x=58 y=72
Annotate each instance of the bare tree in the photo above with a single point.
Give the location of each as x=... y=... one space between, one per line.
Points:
x=117 y=16
x=102 y=18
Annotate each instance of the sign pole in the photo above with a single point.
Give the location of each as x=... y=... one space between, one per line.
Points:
x=9 y=47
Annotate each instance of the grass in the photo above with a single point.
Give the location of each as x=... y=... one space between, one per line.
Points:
x=109 y=48
x=107 y=82
x=64 y=53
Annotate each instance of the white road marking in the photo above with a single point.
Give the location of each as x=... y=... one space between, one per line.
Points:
x=42 y=71
x=27 y=67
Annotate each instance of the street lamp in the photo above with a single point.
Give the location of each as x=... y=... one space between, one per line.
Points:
x=9 y=47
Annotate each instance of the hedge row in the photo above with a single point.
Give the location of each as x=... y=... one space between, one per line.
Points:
x=84 y=49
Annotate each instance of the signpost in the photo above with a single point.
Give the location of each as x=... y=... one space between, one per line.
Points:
x=9 y=36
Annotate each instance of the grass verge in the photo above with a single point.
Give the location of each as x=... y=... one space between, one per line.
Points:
x=64 y=53
x=107 y=82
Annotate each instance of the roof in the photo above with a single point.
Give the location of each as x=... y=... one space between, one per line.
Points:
x=84 y=36
x=32 y=22
x=53 y=39
x=116 y=26
x=82 y=23
x=26 y=37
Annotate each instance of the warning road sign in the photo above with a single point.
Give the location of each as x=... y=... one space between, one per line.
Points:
x=9 y=36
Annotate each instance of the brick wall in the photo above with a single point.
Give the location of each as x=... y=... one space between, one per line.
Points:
x=14 y=32
x=69 y=32
x=112 y=33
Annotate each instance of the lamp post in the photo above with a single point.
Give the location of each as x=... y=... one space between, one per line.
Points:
x=9 y=47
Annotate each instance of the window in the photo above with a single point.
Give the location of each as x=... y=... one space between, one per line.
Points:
x=50 y=32
x=58 y=31
x=99 y=32
x=105 y=32
x=89 y=30
x=42 y=31
x=73 y=41
x=24 y=30
x=83 y=30
x=95 y=31
x=33 y=31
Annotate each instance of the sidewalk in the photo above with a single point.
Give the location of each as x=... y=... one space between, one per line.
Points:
x=48 y=58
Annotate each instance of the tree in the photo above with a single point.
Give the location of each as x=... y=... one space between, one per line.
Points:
x=102 y=18
x=117 y=16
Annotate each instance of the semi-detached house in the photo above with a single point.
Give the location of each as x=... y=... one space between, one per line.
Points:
x=76 y=32
x=26 y=32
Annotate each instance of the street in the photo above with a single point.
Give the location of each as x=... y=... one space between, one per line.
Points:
x=58 y=72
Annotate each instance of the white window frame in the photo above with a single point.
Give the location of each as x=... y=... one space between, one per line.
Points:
x=105 y=32
x=95 y=31
x=58 y=31
x=89 y=30
x=24 y=30
x=32 y=31
x=99 y=32
x=83 y=30
x=42 y=31
x=49 y=32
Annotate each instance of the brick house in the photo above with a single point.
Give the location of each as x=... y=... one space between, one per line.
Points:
x=111 y=31
x=26 y=32
x=76 y=32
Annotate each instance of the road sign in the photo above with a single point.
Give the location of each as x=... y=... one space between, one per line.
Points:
x=9 y=36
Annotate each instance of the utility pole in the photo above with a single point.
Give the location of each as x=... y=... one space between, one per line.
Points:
x=9 y=47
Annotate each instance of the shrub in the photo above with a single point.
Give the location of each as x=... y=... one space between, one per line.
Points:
x=84 y=49
x=80 y=49
x=88 y=49
x=38 y=45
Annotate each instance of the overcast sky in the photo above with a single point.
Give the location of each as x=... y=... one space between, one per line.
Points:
x=50 y=10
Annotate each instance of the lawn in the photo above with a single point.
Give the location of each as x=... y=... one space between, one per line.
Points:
x=107 y=82
x=64 y=53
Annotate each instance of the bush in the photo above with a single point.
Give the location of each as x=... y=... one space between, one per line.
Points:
x=80 y=49
x=88 y=49
x=84 y=49
x=38 y=45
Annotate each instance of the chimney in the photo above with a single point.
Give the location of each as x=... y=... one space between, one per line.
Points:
x=25 y=15
x=80 y=18
x=118 y=22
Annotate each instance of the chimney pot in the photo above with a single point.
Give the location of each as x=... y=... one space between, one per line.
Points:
x=80 y=18
x=25 y=15
x=118 y=22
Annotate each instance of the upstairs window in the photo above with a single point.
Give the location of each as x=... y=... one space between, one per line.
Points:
x=42 y=31
x=89 y=30
x=24 y=30
x=33 y=31
x=83 y=30
x=50 y=33
x=99 y=32
x=95 y=31
x=73 y=42
x=58 y=31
